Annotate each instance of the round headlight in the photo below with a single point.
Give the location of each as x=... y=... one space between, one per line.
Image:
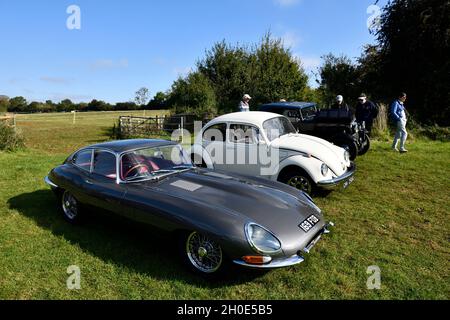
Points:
x=324 y=169
x=347 y=156
x=261 y=239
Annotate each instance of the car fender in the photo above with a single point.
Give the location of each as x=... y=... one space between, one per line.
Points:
x=311 y=165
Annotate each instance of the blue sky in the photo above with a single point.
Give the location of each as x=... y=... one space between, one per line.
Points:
x=125 y=45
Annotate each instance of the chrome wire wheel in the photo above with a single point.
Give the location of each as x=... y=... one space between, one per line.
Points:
x=301 y=183
x=203 y=253
x=69 y=206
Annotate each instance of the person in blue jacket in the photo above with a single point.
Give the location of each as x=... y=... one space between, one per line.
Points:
x=398 y=116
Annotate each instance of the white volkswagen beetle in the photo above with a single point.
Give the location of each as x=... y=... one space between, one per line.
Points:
x=267 y=145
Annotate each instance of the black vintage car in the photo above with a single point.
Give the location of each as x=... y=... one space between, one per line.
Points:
x=335 y=125
x=217 y=217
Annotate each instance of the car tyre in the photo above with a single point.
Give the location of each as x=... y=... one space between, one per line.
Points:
x=70 y=207
x=201 y=254
x=363 y=150
x=299 y=179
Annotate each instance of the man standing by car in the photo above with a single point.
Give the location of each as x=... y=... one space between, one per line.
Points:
x=340 y=104
x=398 y=115
x=366 y=111
x=244 y=105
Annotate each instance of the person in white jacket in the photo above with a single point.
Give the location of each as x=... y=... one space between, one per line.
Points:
x=244 y=105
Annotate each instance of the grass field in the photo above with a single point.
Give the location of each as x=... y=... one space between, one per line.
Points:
x=395 y=216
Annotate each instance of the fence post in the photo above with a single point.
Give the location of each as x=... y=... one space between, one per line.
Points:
x=182 y=129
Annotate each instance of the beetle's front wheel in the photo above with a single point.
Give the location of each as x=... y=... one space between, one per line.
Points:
x=298 y=179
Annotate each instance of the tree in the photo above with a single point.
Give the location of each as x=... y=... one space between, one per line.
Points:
x=98 y=105
x=142 y=98
x=414 y=48
x=277 y=73
x=267 y=71
x=126 y=106
x=228 y=69
x=338 y=76
x=193 y=93
x=18 y=104
x=65 y=105
x=159 y=101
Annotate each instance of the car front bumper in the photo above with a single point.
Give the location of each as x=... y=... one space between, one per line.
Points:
x=50 y=183
x=289 y=261
x=343 y=180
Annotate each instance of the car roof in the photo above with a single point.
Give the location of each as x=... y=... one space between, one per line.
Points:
x=286 y=105
x=252 y=117
x=120 y=146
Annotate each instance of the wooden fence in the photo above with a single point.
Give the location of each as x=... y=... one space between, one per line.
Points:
x=130 y=126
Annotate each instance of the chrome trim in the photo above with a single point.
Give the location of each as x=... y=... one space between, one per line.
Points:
x=281 y=263
x=51 y=184
x=254 y=247
x=313 y=242
x=332 y=183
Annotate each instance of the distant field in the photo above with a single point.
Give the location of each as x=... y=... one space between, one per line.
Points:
x=394 y=216
x=55 y=132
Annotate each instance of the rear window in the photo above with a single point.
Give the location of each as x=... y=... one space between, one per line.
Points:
x=104 y=164
x=83 y=159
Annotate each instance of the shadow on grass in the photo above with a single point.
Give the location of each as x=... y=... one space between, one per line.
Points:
x=122 y=242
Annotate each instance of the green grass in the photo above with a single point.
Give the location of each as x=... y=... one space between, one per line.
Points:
x=395 y=216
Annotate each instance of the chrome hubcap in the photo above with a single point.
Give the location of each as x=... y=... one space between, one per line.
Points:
x=69 y=204
x=204 y=254
x=301 y=183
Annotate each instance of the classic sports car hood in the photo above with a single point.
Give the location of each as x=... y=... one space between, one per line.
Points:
x=278 y=211
x=331 y=155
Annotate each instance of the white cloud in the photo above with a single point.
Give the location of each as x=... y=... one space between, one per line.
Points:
x=290 y=39
x=286 y=3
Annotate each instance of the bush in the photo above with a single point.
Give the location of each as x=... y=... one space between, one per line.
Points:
x=433 y=132
x=380 y=129
x=10 y=139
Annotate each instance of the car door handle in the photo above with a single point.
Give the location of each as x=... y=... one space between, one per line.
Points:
x=88 y=181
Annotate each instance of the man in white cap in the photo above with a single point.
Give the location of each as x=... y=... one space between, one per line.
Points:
x=340 y=104
x=366 y=111
x=244 y=104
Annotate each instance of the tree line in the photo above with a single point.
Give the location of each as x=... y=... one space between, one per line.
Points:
x=21 y=105
x=410 y=55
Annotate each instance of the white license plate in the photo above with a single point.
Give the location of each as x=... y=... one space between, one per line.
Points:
x=348 y=182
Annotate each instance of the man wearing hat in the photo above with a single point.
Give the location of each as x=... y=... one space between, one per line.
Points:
x=366 y=111
x=244 y=104
x=340 y=104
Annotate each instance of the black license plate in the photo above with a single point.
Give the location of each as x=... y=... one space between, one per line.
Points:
x=309 y=223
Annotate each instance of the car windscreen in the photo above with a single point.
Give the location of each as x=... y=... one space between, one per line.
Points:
x=277 y=127
x=309 y=112
x=152 y=162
